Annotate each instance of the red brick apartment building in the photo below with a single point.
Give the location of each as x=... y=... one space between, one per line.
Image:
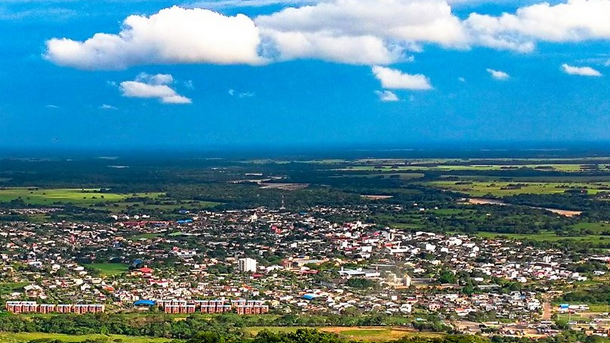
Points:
x=241 y=306
x=33 y=307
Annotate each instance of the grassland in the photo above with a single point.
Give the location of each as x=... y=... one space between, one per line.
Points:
x=365 y=333
x=162 y=207
x=548 y=236
x=77 y=196
x=109 y=269
x=505 y=188
x=144 y=236
x=569 y=168
x=23 y=337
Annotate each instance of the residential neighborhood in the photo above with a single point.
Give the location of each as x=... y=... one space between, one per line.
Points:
x=274 y=261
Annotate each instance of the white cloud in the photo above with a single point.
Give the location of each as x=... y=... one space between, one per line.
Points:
x=573 y=21
x=362 y=31
x=461 y=79
x=395 y=79
x=247 y=3
x=498 y=74
x=153 y=87
x=176 y=99
x=107 y=107
x=342 y=49
x=386 y=96
x=173 y=35
x=158 y=79
x=582 y=71
x=368 y=32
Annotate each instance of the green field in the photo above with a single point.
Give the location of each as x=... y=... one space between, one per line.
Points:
x=39 y=196
x=504 y=188
x=144 y=236
x=10 y=287
x=571 y=168
x=163 y=208
x=364 y=333
x=109 y=269
x=547 y=236
x=23 y=337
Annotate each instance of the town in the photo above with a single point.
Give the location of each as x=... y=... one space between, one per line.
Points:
x=258 y=261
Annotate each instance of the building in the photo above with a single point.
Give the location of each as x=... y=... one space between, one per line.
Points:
x=247 y=265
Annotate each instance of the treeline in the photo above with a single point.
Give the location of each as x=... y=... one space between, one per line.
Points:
x=161 y=325
x=599 y=294
x=313 y=336
x=592 y=208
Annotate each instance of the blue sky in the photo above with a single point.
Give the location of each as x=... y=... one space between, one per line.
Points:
x=123 y=74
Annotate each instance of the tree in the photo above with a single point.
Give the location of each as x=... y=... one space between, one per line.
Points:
x=206 y=337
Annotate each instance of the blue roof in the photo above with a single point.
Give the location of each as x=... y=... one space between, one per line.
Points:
x=145 y=302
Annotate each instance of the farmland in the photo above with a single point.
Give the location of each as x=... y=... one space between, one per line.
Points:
x=358 y=333
x=548 y=236
x=507 y=188
x=82 y=196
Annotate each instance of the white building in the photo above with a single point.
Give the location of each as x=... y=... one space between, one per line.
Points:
x=247 y=265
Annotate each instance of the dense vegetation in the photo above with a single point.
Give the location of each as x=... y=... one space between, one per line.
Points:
x=160 y=325
x=312 y=336
x=414 y=199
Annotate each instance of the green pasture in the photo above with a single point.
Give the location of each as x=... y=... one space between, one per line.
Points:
x=368 y=333
x=144 y=236
x=571 y=168
x=163 y=207
x=40 y=196
x=109 y=269
x=504 y=188
x=547 y=236
x=23 y=337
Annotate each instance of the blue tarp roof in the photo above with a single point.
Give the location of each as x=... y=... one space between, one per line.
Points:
x=144 y=302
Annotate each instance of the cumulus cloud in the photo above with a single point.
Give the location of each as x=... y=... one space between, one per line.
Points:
x=362 y=31
x=573 y=21
x=582 y=71
x=247 y=3
x=386 y=96
x=367 y=32
x=498 y=74
x=173 y=35
x=395 y=79
x=153 y=87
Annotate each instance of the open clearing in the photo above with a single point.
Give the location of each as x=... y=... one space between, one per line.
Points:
x=22 y=337
x=504 y=188
x=109 y=269
x=569 y=168
x=364 y=333
x=548 y=236
x=39 y=196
